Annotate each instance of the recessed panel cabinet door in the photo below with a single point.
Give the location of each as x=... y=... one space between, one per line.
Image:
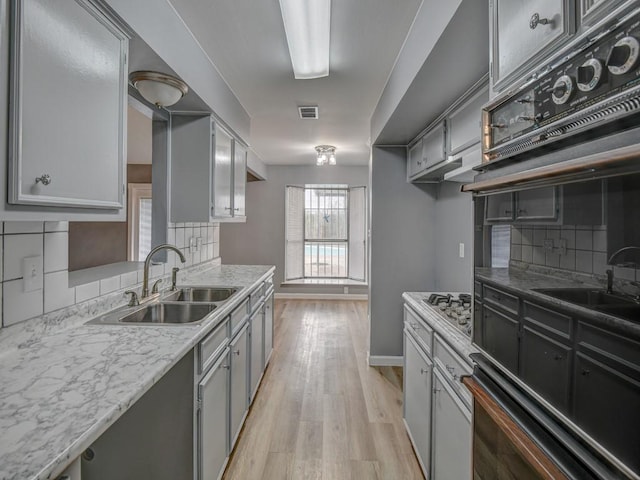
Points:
x=417 y=400
x=524 y=30
x=222 y=171
x=68 y=116
x=239 y=179
x=239 y=369
x=213 y=396
x=268 y=328
x=256 y=350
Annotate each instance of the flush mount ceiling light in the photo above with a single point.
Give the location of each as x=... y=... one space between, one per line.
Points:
x=307 y=25
x=326 y=155
x=158 y=88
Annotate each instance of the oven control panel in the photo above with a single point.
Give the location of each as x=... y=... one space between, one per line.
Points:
x=598 y=85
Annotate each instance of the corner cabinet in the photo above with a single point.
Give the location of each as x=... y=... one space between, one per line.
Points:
x=208 y=171
x=67 y=112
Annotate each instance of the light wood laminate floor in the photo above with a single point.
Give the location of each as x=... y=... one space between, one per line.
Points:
x=321 y=411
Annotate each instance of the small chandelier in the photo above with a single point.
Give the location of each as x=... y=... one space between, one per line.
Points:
x=158 y=88
x=326 y=155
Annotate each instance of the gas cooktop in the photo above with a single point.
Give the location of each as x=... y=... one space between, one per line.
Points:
x=455 y=308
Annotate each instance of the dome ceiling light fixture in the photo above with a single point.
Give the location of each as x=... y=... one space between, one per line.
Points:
x=158 y=88
x=326 y=155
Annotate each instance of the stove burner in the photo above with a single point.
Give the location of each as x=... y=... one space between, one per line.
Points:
x=456 y=309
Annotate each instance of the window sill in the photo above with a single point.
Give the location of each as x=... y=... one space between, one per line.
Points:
x=347 y=282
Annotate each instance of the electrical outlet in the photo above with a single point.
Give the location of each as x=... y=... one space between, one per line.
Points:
x=548 y=244
x=461 y=250
x=32 y=273
x=346 y=290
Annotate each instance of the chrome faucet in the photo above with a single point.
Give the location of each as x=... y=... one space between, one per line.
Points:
x=147 y=263
x=612 y=259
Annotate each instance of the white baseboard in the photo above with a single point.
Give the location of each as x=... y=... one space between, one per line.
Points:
x=322 y=296
x=385 y=361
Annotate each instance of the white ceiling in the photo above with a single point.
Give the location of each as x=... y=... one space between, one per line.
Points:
x=245 y=40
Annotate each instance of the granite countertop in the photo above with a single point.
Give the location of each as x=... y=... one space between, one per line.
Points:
x=59 y=393
x=522 y=282
x=458 y=340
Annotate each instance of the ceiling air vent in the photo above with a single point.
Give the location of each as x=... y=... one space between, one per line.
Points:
x=308 y=113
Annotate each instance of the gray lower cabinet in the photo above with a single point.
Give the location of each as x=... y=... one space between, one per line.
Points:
x=417 y=399
x=500 y=336
x=257 y=357
x=268 y=328
x=74 y=68
x=452 y=433
x=213 y=427
x=239 y=382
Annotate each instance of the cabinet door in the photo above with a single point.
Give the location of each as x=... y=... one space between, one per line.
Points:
x=213 y=435
x=417 y=400
x=256 y=350
x=415 y=162
x=239 y=397
x=523 y=31
x=500 y=337
x=452 y=435
x=537 y=204
x=464 y=124
x=268 y=328
x=68 y=117
x=239 y=179
x=545 y=365
x=499 y=207
x=433 y=146
x=593 y=10
x=222 y=173
x=606 y=406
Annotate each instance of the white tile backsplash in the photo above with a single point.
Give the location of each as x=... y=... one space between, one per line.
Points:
x=19 y=305
x=56 y=226
x=56 y=251
x=23 y=227
x=87 y=291
x=57 y=293
x=16 y=247
x=109 y=285
x=128 y=279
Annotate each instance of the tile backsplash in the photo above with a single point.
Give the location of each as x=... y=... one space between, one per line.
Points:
x=581 y=249
x=200 y=243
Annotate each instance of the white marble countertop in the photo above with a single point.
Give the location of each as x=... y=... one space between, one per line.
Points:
x=458 y=340
x=61 y=391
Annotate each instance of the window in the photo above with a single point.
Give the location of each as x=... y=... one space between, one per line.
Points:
x=325 y=232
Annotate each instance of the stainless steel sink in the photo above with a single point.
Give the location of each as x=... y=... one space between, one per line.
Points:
x=586 y=296
x=157 y=314
x=201 y=294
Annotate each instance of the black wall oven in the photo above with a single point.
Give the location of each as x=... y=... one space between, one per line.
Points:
x=557 y=271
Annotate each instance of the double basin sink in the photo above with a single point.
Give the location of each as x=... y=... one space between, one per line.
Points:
x=187 y=305
x=611 y=303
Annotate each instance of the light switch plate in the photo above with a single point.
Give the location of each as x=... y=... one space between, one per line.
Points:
x=32 y=273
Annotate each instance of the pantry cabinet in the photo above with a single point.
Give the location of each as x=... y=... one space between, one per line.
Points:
x=208 y=171
x=67 y=115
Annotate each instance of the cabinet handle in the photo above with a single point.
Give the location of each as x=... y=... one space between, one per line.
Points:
x=497 y=125
x=436 y=390
x=415 y=326
x=535 y=20
x=585 y=372
x=508 y=212
x=226 y=367
x=423 y=371
x=557 y=356
x=45 y=179
x=227 y=208
x=452 y=371
x=237 y=352
x=522 y=211
x=236 y=209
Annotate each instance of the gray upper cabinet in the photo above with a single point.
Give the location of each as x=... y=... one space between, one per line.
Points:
x=203 y=163
x=464 y=123
x=523 y=32
x=433 y=145
x=68 y=112
x=537 y=204
x=222 y=174
x=239 y=180
x=499 y=208
x=591 y=11
x=415 y=162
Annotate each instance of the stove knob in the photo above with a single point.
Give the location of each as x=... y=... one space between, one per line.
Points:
x=623 y=56
x=589 y=75
x=562 y=90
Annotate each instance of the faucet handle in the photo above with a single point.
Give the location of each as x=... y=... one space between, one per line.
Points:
x=133 y=301
x=174 y=278
x=154 y=289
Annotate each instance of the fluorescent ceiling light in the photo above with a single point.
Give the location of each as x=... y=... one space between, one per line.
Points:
x=307 y=24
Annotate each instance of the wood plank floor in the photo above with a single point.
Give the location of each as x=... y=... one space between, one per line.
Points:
x=321 y=411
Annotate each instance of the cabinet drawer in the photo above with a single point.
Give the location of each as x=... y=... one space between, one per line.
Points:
x=548 y=320
x=212 y=345
x=611 y=348
x=453 y=366
x=239 y=316
x=256 y=296
x=418 y=328
x=501 y=299
x=268 y=284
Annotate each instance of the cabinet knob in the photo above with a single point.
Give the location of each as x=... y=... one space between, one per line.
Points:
x=535 y=20
x=557 y=356
x=45 y=179
x=423 y=371
x=237 y=209
x=237 y=352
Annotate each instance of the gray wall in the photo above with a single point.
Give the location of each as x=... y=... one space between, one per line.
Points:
x=402 y=258
x=260 y=240
x=454 y=220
